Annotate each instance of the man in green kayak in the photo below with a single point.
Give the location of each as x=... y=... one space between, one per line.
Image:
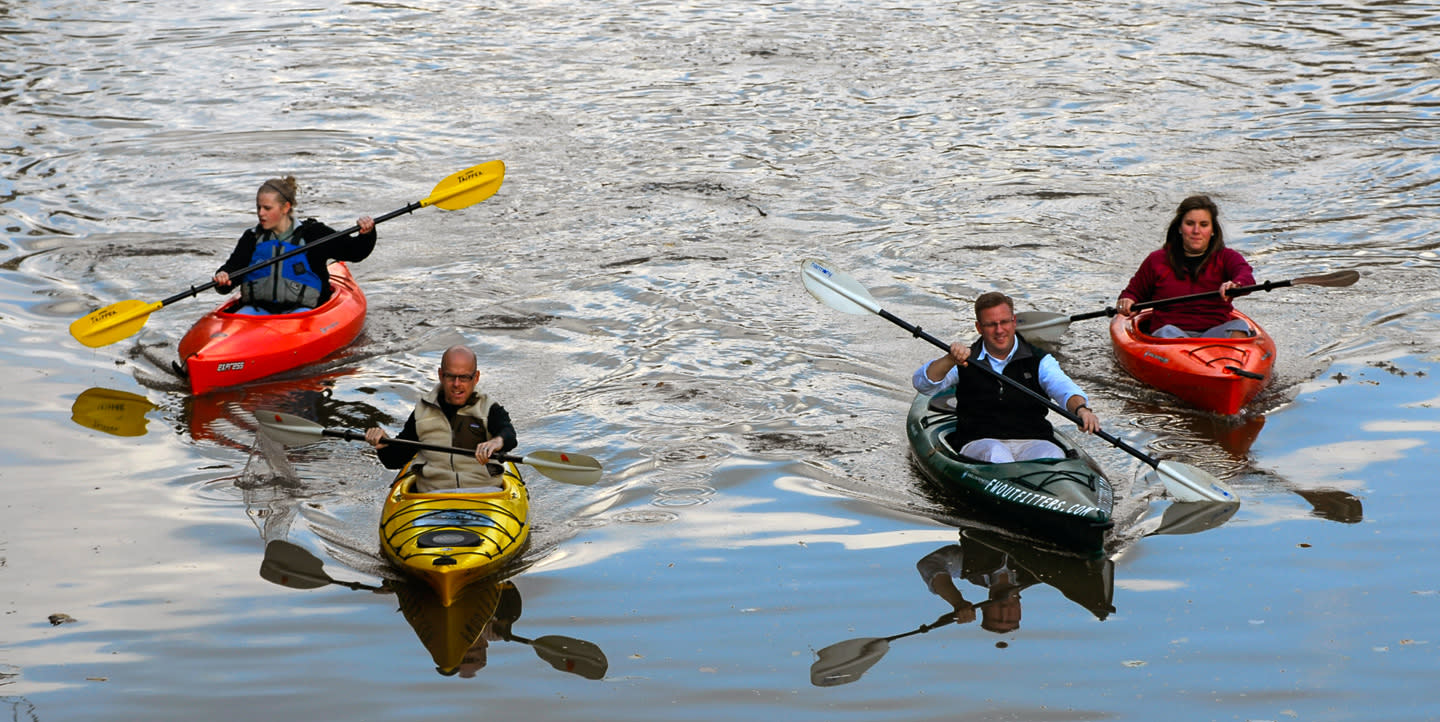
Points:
x=996 y=423
x=453 y=414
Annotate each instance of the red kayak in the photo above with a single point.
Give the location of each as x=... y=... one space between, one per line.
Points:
x=226 y=349
x=1214 y=374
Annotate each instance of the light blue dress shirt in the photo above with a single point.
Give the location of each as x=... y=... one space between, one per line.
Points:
x=1057 y=385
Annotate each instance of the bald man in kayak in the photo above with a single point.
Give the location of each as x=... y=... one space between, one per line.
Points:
x=996 y=423
x=453 y=414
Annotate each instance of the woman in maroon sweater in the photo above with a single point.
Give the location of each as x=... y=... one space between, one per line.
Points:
x=1193 y=260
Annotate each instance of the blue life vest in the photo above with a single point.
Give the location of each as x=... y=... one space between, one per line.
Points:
x=284 y=286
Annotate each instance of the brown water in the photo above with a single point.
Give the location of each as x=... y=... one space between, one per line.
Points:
x=633 y=290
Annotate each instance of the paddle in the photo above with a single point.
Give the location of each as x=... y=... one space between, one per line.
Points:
x=291 y=565
x=844 y=662
x=122 y=320
x=561 y=466
x=839 y=291
x=119 y=413
x=568 y=654
x=1049 y=327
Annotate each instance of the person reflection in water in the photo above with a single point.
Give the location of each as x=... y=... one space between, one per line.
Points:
x=495 y=630
x=983 y=567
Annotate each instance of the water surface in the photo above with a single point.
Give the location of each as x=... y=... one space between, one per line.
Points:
x=633 y=291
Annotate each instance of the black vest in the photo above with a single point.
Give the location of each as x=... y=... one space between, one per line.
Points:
x=988 y=408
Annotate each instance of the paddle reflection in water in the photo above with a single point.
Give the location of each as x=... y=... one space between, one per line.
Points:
x=1195 y=432
x=225 y=417
x=291 y=565
x=270 y=486
x=1335 y=505
x=118 y=413
x=1003 y=567
x=1191 y=517
x=457 y=636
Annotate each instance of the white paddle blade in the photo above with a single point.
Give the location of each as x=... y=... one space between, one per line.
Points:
x=836 y=289
x=844 y=662
x=1187 y=483
x=564 y=466
x=1041 y=326
x=288 y=429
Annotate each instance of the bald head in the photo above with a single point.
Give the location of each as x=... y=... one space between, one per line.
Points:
x=460 y=355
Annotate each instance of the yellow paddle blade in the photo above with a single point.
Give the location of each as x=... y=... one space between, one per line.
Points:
x=112 y=323
x=468 y=187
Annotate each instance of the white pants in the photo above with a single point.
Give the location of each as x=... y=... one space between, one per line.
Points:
x=1001 y=451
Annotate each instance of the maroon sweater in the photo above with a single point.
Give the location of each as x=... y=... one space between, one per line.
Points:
x=1156 y=280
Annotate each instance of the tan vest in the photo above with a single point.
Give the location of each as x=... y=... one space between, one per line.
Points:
x=444 y=470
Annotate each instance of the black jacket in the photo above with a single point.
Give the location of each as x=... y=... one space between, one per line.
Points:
x=350 y=248
x=988 y=408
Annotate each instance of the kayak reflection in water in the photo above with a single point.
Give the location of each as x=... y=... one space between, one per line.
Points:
x=1004 y=567
x=457 y=636
x=496 y=629
x=567 y=654
x=303 y=280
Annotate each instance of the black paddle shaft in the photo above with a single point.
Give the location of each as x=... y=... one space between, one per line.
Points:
x=194 y=290
x=919 y=333
x=1237 y=291
x=944 y=619
x=357 y=436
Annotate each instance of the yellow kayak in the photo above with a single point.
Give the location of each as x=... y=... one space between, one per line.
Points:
x=452 y=538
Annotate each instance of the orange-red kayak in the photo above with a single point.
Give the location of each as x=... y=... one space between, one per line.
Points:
x=227 y=349
x=1214 y=374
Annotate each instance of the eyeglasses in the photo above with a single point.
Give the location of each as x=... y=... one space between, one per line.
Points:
x=998 y=324
x=447 y=378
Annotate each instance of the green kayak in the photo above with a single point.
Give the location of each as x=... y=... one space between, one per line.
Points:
x=1065 y=501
